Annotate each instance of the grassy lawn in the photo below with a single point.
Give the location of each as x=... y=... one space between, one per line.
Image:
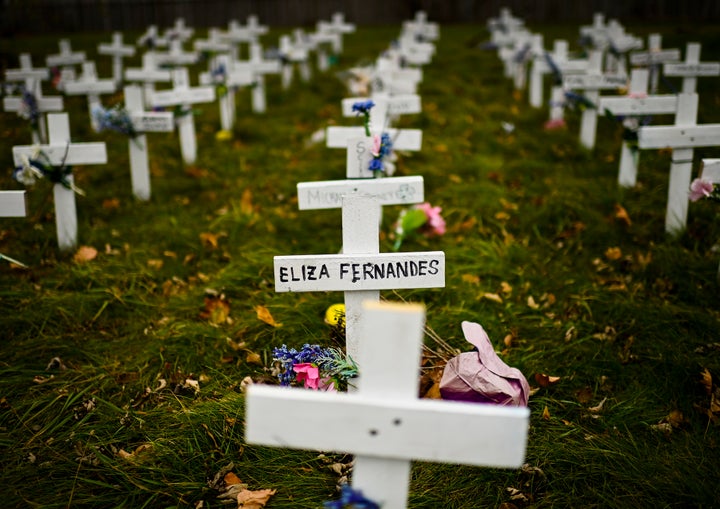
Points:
x=537 y=250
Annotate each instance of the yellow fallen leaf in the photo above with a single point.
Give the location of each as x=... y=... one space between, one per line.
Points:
x=254 y=358
x=492 y=296
x=505 y=288
x=621 y=215
x=502 y=216
x=85 y=254
x=264 y=315
x=246 y=205
x=471 y=278
x=217 y=309
x=209 y=239
x=531 y=303
x=254 y=499
x=544 y=380
x=155 y=263
x=613 y=253
x=546 y=414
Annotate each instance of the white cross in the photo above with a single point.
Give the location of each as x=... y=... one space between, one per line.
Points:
x=535 y=48
x=320 y=39
x=259 y=68
x=151 y=39
x=653 y=57
x=179 y=31
x=231 y=77
x=682 y=138
x=13 y=204
x=691 y=68
x=184 y=96
x=32 y=78
x=636 y=104
x=336 y=26
x=215 y=43
x=67 y=59
x=293 y=52
x=237 y=34
x=413 y=51
x=60 y=151
x=421 y=27
x=361 y=271
x=176 y=56
x=117 y=50
x=148 y=75
x=89 y=85
x=591 y=84
x=387 y=191
x=540 y=67
x=509 y=45
x=384 y=424
x=143 y=122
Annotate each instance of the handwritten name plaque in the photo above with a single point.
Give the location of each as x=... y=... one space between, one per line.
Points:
x=349 y=272
x=387 y=191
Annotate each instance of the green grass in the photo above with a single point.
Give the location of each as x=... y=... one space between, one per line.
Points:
x=529 y=209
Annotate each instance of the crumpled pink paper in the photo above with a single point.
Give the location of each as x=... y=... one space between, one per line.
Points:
x=481 y=376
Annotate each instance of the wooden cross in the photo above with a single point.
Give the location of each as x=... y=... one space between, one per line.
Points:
x=179 y=31
x=682 y=138
x=184 y=96
x=231 y=77
x=591 y=84
x=653 y=57
x=176 y=56
x=534 y=47
x=320 y=39
x=117 y=50
x=13 y=204
x=293 y=53
x=414 y=52
x=32 y=78
x=691 y=69
x=67 y=59
x=258 y=67
x=143 y=122
x=421 y=27
x=61 y=152
x=384 y=423
x=237 y=34
x=148 y=75
x=337 y=26
x=151 y=39
x=636 y=104
x=361 y=271
x=89 y=85
x=215 y=43
x=389 y=78
x=540 y=67
x=387 y=191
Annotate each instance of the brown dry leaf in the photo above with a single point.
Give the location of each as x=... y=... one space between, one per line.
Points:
x=85 y=254
x=621 y=215
x=613 y=253
x=246 y=205
x=455 y=179
x=111 y=204
x=546 y=414
x=676 y=419
x=531 y=303
x=509 y=340
x=502 y=216
x=706 y=381
x=492 y=296
x=544 y=380
x=196 y=172
x=209 y=239
x=597 y=408
x=471 y=278
x=264 y=315
x=155 y=263
x=217 y=309
x=132 y=456
x=584 y=395
x=231 y=478
x=254 y=499
x=505 y=288
x=254 y=358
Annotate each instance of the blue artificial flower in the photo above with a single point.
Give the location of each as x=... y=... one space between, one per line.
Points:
x=29 y=108
x=385 y=145
x=363 y=106
x=351 y=498
x=376 y=164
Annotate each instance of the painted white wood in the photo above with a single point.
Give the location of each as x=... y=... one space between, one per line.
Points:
x=387 y=191
x=692 y=68
x=682 y=139
x=148 y=75
x=179 y=31
x=403 y=139
x=176 y=55
x=117 y=50
x=61 y=151
x=151 y=39
x=338 y=27
x=184 y=95
x=13 y=204
x=711 y=170
x=45 y=105
x=653 y=58
x=396 y=104
x=66 y=57
x=636 y=103
x=90 y=86
x=383 y=423
x=232 y=77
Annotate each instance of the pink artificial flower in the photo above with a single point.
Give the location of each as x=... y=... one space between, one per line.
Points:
x=700 y=188
x=308 y=374
x=554 y=124
x=435 y=222
x=637 y=95
x=327 y=384
x=376 y=144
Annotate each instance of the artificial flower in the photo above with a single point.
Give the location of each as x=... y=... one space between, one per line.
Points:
x=350 y=498
x=555 y=124
x=423 y=218
x=700 y=188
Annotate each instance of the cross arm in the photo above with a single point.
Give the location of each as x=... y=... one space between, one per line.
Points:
x=12 y=204
x=651 y=105
x=707 y=135
x=387 y=191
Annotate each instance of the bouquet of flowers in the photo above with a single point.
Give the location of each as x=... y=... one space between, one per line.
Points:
x=317 y=368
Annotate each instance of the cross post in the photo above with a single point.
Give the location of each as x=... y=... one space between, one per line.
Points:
x=653 y=58
x=89 y=85
x=148 y=75
x=61 y=152
x=383 y=423
x=231 y=76
x=67 y=59
x=691 y=69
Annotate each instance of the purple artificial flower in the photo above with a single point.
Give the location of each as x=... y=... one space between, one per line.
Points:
x=363 y=106
x=700 y=188
x=351 y=498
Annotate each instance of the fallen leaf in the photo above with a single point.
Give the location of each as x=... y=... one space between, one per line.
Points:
x=231 y=478
x=155 y=263
x=492 y=296
x=217 y=309
x=502 y=216
x=246 y=205
x=264 y=315
x=209 y=239
x=613 y=253
x=111 y=204
x=254 y=358
x=254 y=499
x=597 y=408
x=132 y=456
x=471 y=278
x=544 y=380
x=85 y=254
x=508 y=340
x=531 y=303
x=621 y=215
x=546 y=414
x=584 y=395
x=505 y=288
x=706 y=380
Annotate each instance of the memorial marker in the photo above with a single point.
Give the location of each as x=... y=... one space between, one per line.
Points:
x=184 y=96
x=151 y=39
x=89 y=85
x=636 y=104
x=682 y=138
x=238 y=34
x=691 y=68
x=60 y=151
x=591 y=84
x=148 y=75
x=338 y=26
x=179 y=31
x=293 y=54
x=117 y=50
x=13 y=204
x=653 y=58
x=541 y=66
x=384 y=423
x=32 y=79
x=143 y=122
x=67 y=59
x=229 y=78
x=175 y=56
